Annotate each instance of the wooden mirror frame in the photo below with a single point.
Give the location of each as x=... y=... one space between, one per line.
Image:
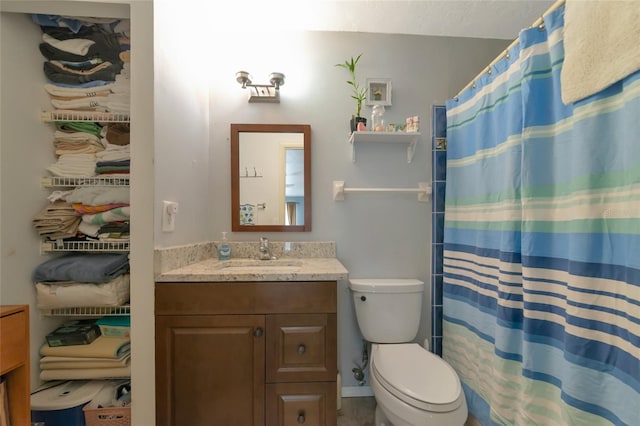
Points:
x=236 y=130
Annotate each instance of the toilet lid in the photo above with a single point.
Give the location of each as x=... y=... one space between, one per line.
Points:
x=417 y=376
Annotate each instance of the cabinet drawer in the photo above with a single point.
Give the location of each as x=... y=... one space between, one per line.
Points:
x=301 y=348
x=13 y=348
x=231 y=298
x=307 y=404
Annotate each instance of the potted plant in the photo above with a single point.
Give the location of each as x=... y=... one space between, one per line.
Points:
x=358 y=93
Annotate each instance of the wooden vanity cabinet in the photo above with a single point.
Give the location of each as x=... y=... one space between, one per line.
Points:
x=246 y=353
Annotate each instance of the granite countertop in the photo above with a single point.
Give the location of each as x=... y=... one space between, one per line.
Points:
x=283 y=269
x=295 y=262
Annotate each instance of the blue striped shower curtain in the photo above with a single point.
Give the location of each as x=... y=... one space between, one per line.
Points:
x=542 y=243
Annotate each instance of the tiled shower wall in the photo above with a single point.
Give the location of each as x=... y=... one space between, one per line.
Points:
x=438 y=178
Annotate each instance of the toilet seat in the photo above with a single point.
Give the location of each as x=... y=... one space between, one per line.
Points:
x=416 y=376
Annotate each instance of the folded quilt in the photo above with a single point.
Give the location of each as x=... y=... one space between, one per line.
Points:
x=83 y=267
x=55 y=295
x=102 y=347
x=119 y=214
x=80 y=208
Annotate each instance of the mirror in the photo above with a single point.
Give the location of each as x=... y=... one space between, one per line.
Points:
x=270 y=177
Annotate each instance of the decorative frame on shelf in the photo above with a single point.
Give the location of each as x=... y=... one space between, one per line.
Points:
x=378 y=91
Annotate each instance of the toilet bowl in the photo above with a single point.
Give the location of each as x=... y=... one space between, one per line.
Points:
x=412 y=386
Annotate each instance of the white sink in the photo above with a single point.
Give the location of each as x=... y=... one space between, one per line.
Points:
x=259 y=265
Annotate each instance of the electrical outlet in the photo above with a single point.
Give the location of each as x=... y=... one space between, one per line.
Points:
x=169 y=213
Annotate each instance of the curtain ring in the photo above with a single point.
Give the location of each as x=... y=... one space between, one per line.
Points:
x=489 y=71
x=474 y=85
x=456 y=99
x=507 y=56
x=541 y=25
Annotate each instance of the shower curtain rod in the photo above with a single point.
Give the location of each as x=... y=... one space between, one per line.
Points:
x=487 y=69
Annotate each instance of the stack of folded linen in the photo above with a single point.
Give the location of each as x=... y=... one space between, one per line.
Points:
x=74 y=165
x=104 y=358
x=114 y=161
x=82 y=279
x=87 y=214
x=105 y=212
x=73 y=137
x=57 y=220
x=87 y=64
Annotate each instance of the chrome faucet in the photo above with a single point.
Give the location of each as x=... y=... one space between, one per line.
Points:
x=265 y=251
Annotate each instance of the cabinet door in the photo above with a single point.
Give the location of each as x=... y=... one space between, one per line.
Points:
x=301 y=348
x=210 y=370
x=308 y=404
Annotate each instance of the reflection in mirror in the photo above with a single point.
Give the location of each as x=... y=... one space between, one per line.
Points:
x=270 y=177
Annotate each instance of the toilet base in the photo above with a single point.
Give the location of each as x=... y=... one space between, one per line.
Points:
x=380 y=419
x=391 y=411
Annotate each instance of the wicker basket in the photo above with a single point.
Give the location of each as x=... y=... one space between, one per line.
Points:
x=110 y=416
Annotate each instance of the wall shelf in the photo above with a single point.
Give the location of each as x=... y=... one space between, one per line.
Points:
x=84 y=246
x=60 y=181
x=69 y=115
x=409 y=138
x=88 y=311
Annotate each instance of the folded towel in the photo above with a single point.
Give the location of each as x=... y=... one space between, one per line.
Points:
x=83 y=267
x=102 y=347
x=74 y=363
x=86 y=373
x=57 y=220
x=601 y=45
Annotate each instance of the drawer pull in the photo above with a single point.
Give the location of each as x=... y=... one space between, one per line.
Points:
x=301 y=418
x=363 y=298
x=258 y=332
x=301 y=349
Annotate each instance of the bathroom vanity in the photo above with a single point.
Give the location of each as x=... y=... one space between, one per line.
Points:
x=247 y=342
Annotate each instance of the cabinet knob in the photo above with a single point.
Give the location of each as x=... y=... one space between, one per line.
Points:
x=301 y=349
x=301 y=418
x=363 y=298
x=258 y=332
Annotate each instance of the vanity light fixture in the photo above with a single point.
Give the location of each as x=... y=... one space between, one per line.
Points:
x=262 y=92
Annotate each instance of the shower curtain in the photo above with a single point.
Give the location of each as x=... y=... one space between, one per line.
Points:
x=542 y=243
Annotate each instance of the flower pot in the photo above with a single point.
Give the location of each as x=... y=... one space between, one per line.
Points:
x=355 y=121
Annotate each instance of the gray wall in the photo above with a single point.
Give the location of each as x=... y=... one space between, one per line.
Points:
x=385 y=235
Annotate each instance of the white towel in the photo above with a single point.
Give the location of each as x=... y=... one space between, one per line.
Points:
x=601 y=44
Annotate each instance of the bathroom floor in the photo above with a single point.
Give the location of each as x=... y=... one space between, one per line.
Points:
x=357 y=411
x=360 y=412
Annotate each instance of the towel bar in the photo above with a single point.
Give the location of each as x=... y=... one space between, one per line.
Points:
x=423 y=190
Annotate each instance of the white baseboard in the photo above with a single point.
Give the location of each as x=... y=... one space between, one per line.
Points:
x=356 y=391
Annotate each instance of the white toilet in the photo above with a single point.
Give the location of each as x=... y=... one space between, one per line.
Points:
x=412 y=386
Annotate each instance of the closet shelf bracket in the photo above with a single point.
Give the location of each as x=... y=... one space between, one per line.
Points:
x=423 y=190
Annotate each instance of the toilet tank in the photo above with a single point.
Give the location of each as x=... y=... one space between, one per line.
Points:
x=387 y=310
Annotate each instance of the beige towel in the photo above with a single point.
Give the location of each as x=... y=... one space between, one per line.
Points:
x=601 y=45
x=74 y=363
x=86 y=373
x=102 y=347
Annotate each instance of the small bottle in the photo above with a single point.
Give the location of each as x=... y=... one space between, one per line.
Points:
x=224 y=250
